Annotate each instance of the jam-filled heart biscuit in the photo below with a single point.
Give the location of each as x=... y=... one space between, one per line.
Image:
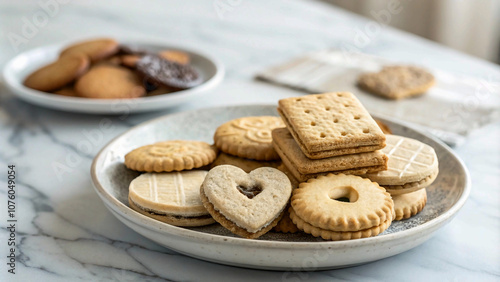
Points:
x=158 y=70
x=248 y=205
x=248 y=137
x=174 y=155
x=95 y=49
x=110 y=82
x=58 y=74
x=171 y=197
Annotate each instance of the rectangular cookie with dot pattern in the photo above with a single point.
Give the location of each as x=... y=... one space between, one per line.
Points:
x=331 y=124
x=304 y=168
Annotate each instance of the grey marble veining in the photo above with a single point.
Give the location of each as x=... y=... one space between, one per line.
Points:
x=66 y=234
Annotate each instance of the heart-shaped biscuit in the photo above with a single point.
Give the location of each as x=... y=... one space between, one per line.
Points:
x=248 y=205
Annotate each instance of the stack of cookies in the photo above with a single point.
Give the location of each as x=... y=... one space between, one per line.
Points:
x=328 y=133
x=412 y=167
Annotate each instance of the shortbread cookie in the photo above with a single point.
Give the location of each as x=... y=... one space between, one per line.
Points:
x=318 y=203
x=396 y=82
x=384 y=127
x=410 y=161
x=175 y=56
x=338 y=235
x=110 y=82
x=158 y=70
x=58 y=74
x=95 y=50
x=248 y=205
x=174 y=155
x=303 y=168
x=245 y=164
x=408 y=205
x=331 y=124
x=248 y=137
x=171 y=197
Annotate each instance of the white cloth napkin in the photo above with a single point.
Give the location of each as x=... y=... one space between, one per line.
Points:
x=452 y=108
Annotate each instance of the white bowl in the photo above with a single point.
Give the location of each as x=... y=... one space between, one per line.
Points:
x=275 y=251
x=18 y=68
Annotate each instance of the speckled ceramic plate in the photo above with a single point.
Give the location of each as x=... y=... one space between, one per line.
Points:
x=25 y=63
x=275 y=251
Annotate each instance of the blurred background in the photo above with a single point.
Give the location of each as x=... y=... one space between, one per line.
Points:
x=471 y=26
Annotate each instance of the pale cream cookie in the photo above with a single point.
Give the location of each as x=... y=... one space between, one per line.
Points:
x=171 y=197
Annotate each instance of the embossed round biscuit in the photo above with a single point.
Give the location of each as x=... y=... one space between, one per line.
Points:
x=95 y=49
x=408 y=205
x=248 y=137
x=175 y=196
x=318 y=202
x=158 y=70
x=58 y=74
x=110 y=82
x=248 y=205
x=338 y=235
x=409 y=161
x=174 y=155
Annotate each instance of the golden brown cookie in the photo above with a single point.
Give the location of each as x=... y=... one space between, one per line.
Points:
x=245 y=164
x=171 y=197
x=130 y=60
x=110 y=82
x=58 y=74
x=95 y=50
x=304 y=168
x=68 y=91
x=174 y=155
x=248 y=137
x=396 y=82
x=408 y=205
x=286 y=225
x=338 y=235
x=342 y=203
x=248 y=205
x=384 y=127
x=331 y=124
x=175 y=56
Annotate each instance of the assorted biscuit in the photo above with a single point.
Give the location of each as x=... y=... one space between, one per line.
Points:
x=397 y=82
x=326 y=168
x=104 y=69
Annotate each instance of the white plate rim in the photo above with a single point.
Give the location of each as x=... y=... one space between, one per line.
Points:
x=161 y=227
x=30 y=95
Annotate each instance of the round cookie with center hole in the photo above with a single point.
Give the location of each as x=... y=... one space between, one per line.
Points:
x=173 y=155
x=342 y=203
x=248 y=137
x=170 y=197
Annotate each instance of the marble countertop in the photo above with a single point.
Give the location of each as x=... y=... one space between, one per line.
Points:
x=64 y=232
